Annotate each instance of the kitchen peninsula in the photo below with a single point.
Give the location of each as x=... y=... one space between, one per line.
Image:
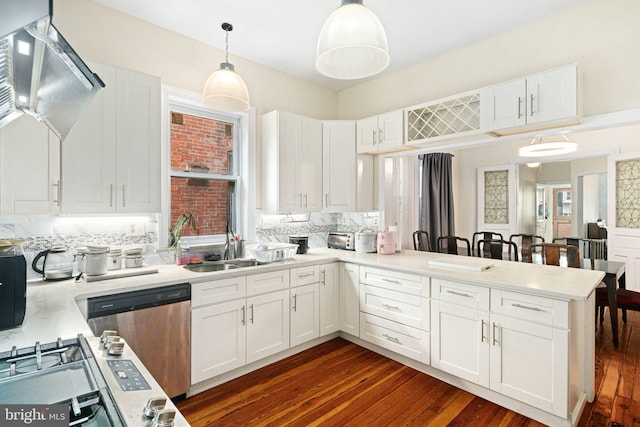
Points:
x=521 y=335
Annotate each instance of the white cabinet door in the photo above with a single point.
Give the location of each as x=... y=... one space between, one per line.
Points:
x=339 y=165
x=504 y=105
x=289 y=132
x=267 y=325
x=552 y=95
x=138 y=142
x=218 y=339
x=111 y=158
x=390 y=130
x=29 y=168
x=460 y=341
x=329 y=298
x=530 y=363
x=89 y=153
x=367 y=135
x=349 y=301
x=309 y=165
x=305 y=316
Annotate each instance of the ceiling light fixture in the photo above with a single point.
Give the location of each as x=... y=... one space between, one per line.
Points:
x=225 y=90
x=549 y=146
x=352 y=43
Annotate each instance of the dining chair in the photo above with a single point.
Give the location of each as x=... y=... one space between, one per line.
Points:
x=525 y=241
x=627 y=300
x=551 y=253
x=484 y=235
x=494 y=248
x=449 y=245
x=421 y=241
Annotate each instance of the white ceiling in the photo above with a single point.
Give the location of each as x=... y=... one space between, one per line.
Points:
x=282 y=34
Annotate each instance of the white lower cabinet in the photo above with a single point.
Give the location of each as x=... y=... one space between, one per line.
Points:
x=230 y=329
x=267 y=325
x=349 y=301
x=305 y=313
x=329 y=298
x=516 y=345
x=218 y=339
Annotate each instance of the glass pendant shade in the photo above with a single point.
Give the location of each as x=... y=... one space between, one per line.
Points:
x=225 y=90
x=551 y=146
x=352 y=43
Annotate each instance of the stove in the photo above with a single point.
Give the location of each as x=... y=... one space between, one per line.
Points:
x=64 y=372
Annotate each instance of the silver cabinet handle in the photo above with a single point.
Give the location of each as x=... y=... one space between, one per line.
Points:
x=294 y=302
x=482 y=337
x=243 y=316
x=56 y=199
x=391 y=307
x=460 y=294
x=251 y=307
x=531 y=106
x=326 y=200
x=392 y=339
x=384 y=279
x=306 y=199
x=110 y=195
x=123 y=191
x=323 y=277
x=373 y=136
x=526 y=307
x=300 y=276
x=380 y=135
x=519 y=108
x=495 y=341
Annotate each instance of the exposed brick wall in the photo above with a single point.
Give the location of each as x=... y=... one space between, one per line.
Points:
x=200 y=142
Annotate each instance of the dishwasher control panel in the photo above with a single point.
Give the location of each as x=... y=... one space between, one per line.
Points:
x=128 y=376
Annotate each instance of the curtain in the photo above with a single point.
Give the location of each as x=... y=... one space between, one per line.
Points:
x=436 y=196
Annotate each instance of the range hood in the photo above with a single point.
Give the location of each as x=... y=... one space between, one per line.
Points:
x=40 y=74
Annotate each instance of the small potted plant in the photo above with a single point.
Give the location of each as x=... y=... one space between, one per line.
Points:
x=175 y=233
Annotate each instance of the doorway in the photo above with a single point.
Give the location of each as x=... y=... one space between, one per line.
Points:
x=562 y=212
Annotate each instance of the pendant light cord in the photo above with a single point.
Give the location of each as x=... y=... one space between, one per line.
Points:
x=226 y=27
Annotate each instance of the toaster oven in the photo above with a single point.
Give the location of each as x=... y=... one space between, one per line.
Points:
x=344 y=241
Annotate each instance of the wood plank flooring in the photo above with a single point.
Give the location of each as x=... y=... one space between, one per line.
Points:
x=341 y=384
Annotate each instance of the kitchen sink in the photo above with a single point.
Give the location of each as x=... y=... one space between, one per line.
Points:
x=209 y=266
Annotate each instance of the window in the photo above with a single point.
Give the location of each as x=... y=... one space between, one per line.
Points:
x=204 y=169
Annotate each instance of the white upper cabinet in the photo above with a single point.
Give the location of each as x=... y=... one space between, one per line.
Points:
x=111 y=158
x=381 y=133
x=541 y=100
x=347 y=176
x=292 y=163
x=29 y=168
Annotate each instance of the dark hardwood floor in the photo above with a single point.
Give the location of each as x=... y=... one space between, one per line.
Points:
x=341 y=384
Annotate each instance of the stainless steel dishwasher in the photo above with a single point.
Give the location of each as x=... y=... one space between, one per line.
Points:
x=156 y=323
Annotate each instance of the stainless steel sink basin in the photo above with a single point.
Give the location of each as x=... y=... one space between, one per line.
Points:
x=209 y=266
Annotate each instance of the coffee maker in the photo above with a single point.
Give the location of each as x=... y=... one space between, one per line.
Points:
x=13 y=289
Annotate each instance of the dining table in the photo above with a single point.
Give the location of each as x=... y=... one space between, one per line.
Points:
x=614 y=278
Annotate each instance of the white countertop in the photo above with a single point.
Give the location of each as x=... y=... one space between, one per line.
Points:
x=55 y=309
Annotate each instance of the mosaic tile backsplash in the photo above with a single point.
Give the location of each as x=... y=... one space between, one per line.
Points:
x=628 y=193
x=496 y=197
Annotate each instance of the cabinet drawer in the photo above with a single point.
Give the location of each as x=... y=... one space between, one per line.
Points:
x=401 y=339
x=305 y=275
x=402 y=308
x=216 y=291
x=403 y=282
x=545 y=311
x=267 y=282
x=461 y=293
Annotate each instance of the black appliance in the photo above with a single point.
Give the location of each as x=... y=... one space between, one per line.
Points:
x=13 y=290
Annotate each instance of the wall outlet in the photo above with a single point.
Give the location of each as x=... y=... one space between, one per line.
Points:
x=375 y=221
x=344 y=219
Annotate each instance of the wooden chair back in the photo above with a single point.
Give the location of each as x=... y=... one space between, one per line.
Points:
x=552 y=252
x=494 y=248
x=484 y=235
x=421 y=241
x=449 y=245
x=526 y=240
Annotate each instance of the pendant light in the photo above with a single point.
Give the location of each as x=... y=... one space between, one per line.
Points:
x=225 y=90
x=549 y=146
x=352 y=43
